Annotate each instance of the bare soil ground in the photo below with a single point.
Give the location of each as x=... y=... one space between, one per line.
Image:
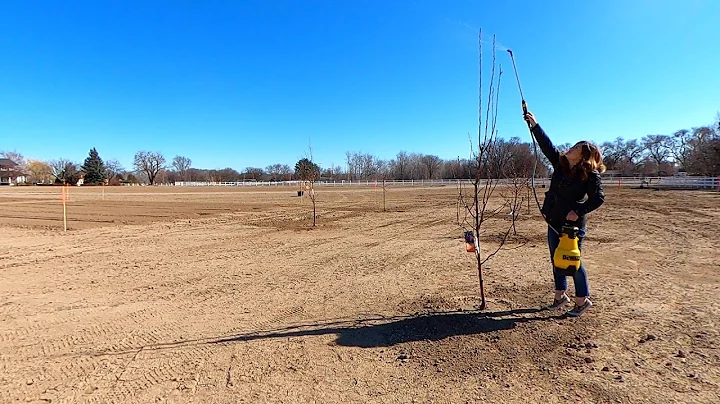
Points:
x=226 y=295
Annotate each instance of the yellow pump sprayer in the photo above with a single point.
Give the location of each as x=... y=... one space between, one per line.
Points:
x=566 y=259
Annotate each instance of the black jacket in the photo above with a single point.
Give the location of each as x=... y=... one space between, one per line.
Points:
x=567 y=192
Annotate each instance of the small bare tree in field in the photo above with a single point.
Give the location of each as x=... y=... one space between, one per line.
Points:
x=473 y=209
x=309 y=172
x=381 y=174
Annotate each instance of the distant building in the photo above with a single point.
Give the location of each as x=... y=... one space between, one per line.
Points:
x=613 y=173
x=10 y=172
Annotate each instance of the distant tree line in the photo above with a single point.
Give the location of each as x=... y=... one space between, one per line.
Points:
x=694 y=151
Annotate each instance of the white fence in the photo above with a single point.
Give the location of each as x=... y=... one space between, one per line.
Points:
x=711 y=183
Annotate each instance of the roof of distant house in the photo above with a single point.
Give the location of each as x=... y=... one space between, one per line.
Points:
x=7 y=163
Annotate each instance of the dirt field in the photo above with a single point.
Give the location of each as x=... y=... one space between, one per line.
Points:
x=225 y=295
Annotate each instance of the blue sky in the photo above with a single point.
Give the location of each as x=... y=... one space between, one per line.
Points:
x=251 y=83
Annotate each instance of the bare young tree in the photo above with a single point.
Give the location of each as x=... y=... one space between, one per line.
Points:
x=473 y=209
x=182 y=164
x=149 y=163
x=381 y=174
x=309 y=172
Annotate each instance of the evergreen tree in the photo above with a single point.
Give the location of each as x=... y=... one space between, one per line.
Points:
x=306 y=170
x=94 y=168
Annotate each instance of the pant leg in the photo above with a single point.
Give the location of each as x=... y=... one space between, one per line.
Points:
x=553 y=242
x=580 y=279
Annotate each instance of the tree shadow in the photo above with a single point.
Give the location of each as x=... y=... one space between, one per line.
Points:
x=369 y=332
x=426 y=327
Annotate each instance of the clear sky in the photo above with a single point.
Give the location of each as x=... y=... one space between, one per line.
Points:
x=251 y=83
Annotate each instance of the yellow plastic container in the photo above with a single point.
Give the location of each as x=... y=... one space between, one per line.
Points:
x=567 y=255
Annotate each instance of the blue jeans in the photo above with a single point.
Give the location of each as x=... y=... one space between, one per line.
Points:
x=580 y=278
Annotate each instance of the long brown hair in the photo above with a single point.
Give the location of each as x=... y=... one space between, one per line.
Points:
x=590 y=161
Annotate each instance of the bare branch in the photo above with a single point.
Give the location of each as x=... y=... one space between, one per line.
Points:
x=500 y=246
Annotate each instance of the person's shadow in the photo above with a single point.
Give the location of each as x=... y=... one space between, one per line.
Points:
x=431 y=326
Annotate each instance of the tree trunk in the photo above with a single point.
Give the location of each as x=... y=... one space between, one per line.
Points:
x=312 y=190
x=384 y=190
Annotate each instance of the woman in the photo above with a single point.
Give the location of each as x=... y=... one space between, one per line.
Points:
x=576 y=173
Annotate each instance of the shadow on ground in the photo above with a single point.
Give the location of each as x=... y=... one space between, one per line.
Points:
x=426 y=327
x=376 y=331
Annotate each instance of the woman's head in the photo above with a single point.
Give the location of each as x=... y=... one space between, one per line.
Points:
x=587 y=156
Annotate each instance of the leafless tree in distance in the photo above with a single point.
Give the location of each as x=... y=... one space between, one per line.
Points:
x=149 y=163
x=182 y=164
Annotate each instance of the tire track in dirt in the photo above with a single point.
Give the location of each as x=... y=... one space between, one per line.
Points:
x=144 y=367
x=121 y=333
x=18 y=333
x=272 y=322
x=119 y=336
x=179 y=367
x=51 y=256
